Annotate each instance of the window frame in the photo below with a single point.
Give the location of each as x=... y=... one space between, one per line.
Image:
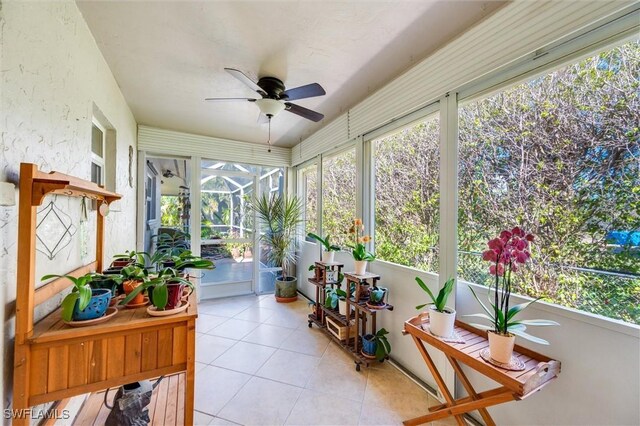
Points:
x=96 y=159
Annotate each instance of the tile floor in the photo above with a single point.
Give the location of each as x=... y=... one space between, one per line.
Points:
x=257 y=363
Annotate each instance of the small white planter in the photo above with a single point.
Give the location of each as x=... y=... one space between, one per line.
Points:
x=342 y=306
x=441 y=323
x=501 y=347
x=361 y=267
x=328 y=256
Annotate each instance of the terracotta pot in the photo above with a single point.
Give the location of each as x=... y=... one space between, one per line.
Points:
x=501 y=346
x=129 y=286
x=328 y=256
x=361 y=267
x=119 y=263
x=441 y=323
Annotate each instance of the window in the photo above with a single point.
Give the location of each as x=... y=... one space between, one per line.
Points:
x=338 y=195
x=407 y=196
x=309 y=193
x=560 y=156
x=97 y=153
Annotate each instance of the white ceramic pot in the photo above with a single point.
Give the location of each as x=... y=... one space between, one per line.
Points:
x=342 y=306
x=441 y=323
x=361 y=267
x=328 y=256
x=501 y=347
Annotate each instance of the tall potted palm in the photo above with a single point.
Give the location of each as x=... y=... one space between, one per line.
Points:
x=281 y=217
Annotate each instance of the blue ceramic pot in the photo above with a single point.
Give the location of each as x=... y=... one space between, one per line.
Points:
x=377 y=295
x=100 y=298
x=369 y=345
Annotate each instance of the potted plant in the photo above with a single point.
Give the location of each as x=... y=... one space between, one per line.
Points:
x=441 y=317
x=336 y=298
x=376 y=345
x=281 y=217
x=377 y=297
x=108 y=281
x=134 y=276
x=507 y=254
x=165 y=290
x=328 y=254
x=83 y=303
x=359 y=251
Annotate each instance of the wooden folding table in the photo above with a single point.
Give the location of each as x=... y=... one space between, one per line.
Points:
x=515 y=385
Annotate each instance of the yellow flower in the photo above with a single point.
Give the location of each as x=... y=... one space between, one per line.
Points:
x=357 y=222
x=366 y=239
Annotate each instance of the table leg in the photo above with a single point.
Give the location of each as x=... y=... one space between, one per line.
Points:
x=488 y=421
x=439 y=381
x=189 y=396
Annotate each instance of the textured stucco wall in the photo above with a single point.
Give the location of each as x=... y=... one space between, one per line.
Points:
x=53 y=80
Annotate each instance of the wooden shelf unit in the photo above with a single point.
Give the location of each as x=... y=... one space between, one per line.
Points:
x=359 y=313
x=53 y=361
x=539 y=371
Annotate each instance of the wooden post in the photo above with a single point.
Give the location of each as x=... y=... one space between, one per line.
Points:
x=99 y=240
x=189 y=395
x=25 y=290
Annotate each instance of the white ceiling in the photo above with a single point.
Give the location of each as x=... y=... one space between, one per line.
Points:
x=168 y=56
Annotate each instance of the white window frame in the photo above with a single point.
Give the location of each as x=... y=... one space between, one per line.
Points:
x=95 y=158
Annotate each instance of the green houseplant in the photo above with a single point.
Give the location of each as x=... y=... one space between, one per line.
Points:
x=376 y=345
x=359 y=250
x=281 y=217
x=83 y=303
x=133 y=276
x=164 y=290
x=441 y=317
x=507 y=254
x=328 y=254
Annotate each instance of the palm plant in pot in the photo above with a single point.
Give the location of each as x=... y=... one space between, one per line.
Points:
x=281 y=217
x=507 y=254
x=359 y=250
x=441 y=317
x=83 y=303
x=328 y=254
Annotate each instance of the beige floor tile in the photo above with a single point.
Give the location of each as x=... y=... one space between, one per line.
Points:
x=315 y=408
x=310 y=341
x=206 y=322
x=261 y=402
x=220 y=421
x=269 y=335
x=255 y=314
x=200 y=366
x=288 y=319
x=340 y=379
x=244 y=357
x=234 y=329
x=289 y=367
x=209 y=347
x=215 y=387
x=201 y=419
x=222 y=310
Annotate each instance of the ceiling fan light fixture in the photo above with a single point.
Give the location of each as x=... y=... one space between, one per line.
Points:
x=270 y=107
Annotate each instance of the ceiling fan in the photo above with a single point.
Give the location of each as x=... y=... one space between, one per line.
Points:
x=275 y=97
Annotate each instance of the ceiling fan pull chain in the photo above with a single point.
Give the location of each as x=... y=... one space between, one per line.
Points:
x=269 y=140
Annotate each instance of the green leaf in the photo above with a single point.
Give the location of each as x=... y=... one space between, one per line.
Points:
x=424 y=287
x=160 y=296
x=484 y=316
x=68 y=304
x=422 y=306
x=519 y=308
x=133 y=294
x=85 y=297
x=537 y=322
x=527 y=336
x=491 y=314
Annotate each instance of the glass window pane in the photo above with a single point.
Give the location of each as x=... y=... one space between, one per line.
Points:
x=559 y=156
x=96 y=174
x=339 y=195
x=309 y=198
x=97 y=138
x=407 y=196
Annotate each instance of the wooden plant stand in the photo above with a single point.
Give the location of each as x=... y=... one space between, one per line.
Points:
x=54 y=361
x=515 y=385
x=359 y=314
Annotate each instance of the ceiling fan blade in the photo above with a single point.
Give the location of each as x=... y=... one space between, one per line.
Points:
x=308 y=91
x=262 y=118
x=229 y=99
x=246 y=80
x=303 y=112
